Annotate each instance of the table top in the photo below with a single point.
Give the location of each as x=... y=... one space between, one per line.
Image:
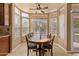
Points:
x=39 y=41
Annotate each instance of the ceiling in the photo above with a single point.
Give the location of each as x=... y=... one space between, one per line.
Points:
x=75 y=6
x=27 y=6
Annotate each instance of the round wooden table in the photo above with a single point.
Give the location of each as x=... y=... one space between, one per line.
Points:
x=40 y=42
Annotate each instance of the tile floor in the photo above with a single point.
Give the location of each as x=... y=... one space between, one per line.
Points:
x=57 y=51
x=21 y=51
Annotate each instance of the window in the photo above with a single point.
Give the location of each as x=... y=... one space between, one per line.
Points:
x=16 y=23
x=25 y=23
x=21 y=25
x=25 y=15
x=53 y=25
x=61 y=26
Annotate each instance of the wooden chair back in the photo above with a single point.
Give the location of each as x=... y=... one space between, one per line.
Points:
x=52 y=40
x=27 y=40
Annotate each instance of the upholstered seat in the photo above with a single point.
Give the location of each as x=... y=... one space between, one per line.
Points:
x=48 y=46
x=32 y=46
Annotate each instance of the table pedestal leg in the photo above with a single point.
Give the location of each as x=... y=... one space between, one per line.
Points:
x=39 y=49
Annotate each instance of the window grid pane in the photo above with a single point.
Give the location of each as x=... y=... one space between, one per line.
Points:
x=53 y=26
x=25 y=15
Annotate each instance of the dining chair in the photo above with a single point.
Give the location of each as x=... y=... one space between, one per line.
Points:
x=49 y=45
x=49 y=35
x=30 y=45
x=31 y=34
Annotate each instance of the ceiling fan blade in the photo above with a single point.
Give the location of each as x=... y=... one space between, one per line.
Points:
x=45 y=8
x=32 y=9
x=38 y=4
x=39 y=7
x=42 y=11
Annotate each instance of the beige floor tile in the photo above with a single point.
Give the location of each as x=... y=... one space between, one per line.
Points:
x=21 y=51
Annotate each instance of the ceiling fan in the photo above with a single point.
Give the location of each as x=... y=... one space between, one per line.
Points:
x=38 y=7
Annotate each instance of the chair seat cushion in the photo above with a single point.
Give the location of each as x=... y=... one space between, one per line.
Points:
x=47 y=46
x=32 y=46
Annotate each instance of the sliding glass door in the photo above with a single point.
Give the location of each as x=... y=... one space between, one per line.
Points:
x=75 y=31
x=40 y=27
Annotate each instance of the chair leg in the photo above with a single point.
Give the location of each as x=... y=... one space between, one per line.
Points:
x=43 y=53
x=36 y=53
x=51 y=52
x=27 y=52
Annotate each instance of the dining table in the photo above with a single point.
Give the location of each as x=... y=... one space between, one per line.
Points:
x=39 y=42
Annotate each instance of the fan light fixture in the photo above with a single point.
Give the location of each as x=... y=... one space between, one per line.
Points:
x=39 y=9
